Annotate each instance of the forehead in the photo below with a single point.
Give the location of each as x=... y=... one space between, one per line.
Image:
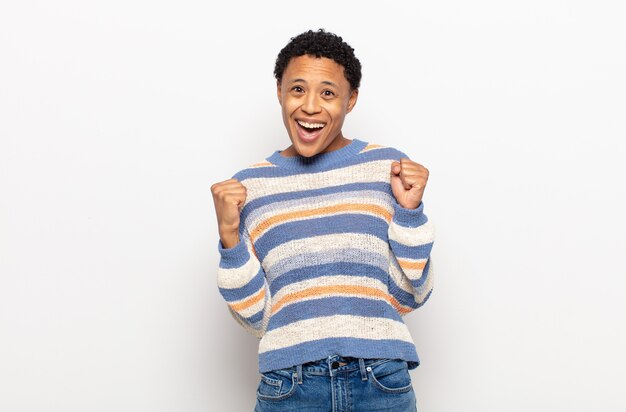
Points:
x=315 y=69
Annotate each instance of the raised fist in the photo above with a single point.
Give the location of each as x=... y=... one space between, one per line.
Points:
x=408 y=181
x=229 y=197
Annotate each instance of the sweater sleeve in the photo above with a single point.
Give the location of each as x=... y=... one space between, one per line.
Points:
x=411 y=237
x=242 y=283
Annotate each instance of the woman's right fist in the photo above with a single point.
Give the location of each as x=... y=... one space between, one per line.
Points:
x=229 y=197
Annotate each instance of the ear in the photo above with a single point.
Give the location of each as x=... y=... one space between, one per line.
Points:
x=354 y=94
x=279 y=92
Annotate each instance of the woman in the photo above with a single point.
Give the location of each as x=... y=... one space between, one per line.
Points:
x=324 y=247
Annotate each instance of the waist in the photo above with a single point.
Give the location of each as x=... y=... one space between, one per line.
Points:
x=336 y=363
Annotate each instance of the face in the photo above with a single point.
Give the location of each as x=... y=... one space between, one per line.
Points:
x=315 y=97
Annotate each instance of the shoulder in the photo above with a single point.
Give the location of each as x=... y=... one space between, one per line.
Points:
x=379 y=151
x=254 y=170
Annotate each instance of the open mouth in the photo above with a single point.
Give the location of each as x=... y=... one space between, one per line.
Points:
x=309 y=131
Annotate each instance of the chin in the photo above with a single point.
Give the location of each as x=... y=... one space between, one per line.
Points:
x=306 y=151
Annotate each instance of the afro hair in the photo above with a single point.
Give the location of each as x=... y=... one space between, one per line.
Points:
x=321 y=44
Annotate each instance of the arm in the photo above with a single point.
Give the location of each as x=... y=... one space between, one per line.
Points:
x=242 y=283
x=411 y=237
x=410 y=234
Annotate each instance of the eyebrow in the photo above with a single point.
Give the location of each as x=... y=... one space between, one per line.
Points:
x=323 y=82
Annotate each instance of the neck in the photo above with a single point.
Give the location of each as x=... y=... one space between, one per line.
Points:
x=339 y=142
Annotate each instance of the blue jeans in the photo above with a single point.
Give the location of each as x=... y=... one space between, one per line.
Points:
x=338 y=384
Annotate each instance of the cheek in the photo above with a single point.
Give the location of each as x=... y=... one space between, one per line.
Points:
x=337 y=112
x=289 y=106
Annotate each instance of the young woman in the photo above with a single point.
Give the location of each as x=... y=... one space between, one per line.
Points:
x=324 y=247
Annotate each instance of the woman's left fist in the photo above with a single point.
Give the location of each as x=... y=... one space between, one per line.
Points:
x=408 y=181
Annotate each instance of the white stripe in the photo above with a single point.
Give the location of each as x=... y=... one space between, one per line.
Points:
x=334 y=326
x=395 y=271
x=232 y=278
x=413 y=274
x=359 y=173
x=412 y=236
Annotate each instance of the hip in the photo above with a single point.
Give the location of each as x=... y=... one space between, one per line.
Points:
x=338 y=384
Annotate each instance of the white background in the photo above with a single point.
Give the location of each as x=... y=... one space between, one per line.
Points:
x=117 y=116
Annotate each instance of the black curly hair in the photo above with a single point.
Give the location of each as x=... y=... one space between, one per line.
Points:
x=321 y=44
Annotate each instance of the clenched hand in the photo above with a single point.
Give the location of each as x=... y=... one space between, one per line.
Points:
x=229 y=197
x=408 y=181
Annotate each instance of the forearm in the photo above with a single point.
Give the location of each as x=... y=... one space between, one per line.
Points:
x=411 y=238
x=229 y=238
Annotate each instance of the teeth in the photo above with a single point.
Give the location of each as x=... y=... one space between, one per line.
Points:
x=311 y=125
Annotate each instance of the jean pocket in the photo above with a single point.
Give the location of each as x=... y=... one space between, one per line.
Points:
x=391 y=376
x=276 y=385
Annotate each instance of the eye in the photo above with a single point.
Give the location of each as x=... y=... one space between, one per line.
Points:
x=328 y=93
x=297 y=89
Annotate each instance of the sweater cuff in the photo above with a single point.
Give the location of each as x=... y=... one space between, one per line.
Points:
x=409 y=217
x=235 y=256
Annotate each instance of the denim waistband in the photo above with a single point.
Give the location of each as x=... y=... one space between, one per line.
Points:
x=334 y=364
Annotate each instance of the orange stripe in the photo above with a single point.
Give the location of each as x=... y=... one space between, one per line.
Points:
x=248 y=302
x=261 y=164
x=411 y=264
x=328 y=210
x=370 y=147
x=335 y=289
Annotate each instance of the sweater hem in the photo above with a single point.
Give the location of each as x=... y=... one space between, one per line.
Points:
x=352 y=347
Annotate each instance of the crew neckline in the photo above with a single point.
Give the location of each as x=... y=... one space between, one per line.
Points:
x=318 y=161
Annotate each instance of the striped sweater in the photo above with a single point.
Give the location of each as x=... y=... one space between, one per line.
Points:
x=328 y=261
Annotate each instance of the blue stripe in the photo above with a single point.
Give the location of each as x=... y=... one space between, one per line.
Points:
x=402 y=296
x=425 y=299
x=246 y=290
x=383 y=153
x=253 y=321
x=329 y=306
x=354 y=255
x=233 y=257
x=327 y=269
x=408 y=217
x=341 y=223
x=256 y=318
x=411 y=252
x=420 y=282
x=322 y=348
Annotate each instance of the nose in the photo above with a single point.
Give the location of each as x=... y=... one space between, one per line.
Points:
x=311 y=104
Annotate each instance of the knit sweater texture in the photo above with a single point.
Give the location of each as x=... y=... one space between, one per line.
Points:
x=328 y=262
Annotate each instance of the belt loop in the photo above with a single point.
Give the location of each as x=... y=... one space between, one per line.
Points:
x=362 y=367
x=330 y=366
x=299 y=372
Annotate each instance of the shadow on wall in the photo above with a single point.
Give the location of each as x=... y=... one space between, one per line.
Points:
x=233 y=364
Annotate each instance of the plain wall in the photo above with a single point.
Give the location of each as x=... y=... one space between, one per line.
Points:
x=116 y=117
